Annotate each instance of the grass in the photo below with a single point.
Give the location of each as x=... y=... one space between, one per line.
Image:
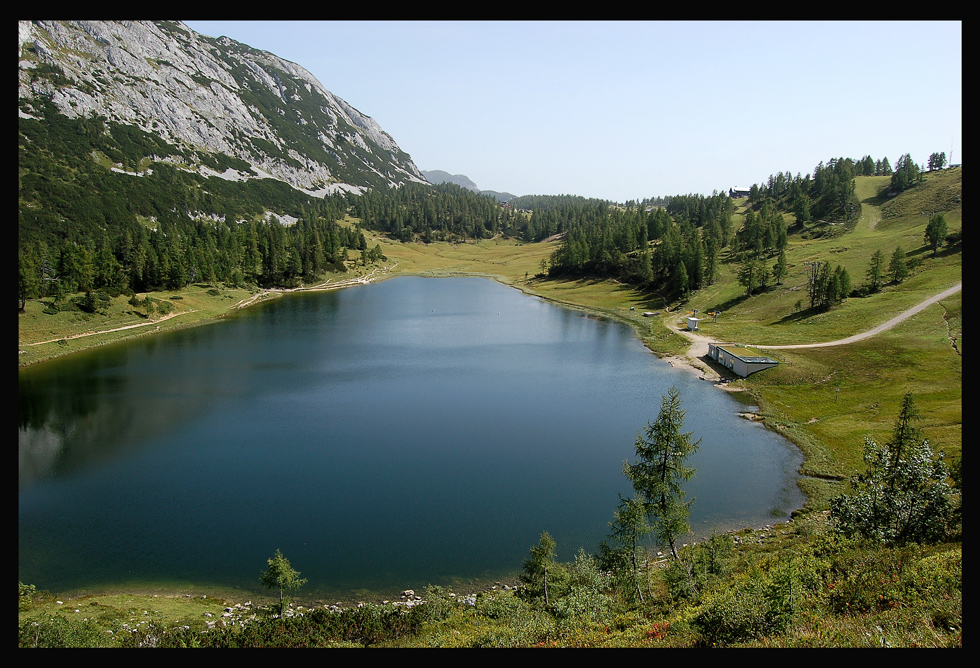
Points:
x=43 y=336
x=840 y=394
x=791 y=585
x=826 y=400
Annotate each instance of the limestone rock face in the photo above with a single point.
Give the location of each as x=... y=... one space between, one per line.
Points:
x=212 y=95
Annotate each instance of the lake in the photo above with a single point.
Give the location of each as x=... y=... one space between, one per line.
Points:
x=409 y=432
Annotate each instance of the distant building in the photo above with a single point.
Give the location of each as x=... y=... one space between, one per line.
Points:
x=741 y=364
x=738 y=192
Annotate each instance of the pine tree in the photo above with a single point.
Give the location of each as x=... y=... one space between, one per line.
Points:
x=876 y=271
x=660 y=470
x=936 y=231
x=898 y=267
x=282 y=576
x=904 y=495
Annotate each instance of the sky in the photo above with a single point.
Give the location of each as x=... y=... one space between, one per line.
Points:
x=629 y=110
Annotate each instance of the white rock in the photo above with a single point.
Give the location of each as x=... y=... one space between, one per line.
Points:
x=180 y=85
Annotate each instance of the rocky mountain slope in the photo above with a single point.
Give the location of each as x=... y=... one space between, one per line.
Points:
x=207 y=96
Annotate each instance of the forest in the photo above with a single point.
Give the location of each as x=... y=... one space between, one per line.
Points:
x=106 y=207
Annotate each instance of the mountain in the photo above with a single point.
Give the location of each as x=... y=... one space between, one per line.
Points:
x=208 y=101
x=438 y=176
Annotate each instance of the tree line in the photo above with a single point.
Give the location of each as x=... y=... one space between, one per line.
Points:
x=83 y=227
x=428 y=213
x=173 y=255
x=676 y=247
x=673 y=249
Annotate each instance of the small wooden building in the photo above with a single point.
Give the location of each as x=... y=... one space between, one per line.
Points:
x=731 y=357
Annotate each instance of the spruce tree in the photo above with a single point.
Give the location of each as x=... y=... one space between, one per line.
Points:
x=876 y=271
x=936 y=232
x=660 y=470
x=904 y=495
x=282 y=576
x=898 y=267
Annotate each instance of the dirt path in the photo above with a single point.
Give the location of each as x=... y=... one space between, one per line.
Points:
x=700 y=342
x=360 y=280
x=877 y=330
x=114 y=329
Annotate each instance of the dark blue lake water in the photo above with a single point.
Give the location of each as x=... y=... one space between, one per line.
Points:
x=410 y=432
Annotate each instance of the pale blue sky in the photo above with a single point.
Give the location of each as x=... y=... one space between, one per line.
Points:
x=626 y=110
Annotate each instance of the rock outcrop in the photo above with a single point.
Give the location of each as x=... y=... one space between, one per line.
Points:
x=215 y=96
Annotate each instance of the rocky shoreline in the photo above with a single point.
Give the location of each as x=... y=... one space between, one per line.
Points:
x=242 y=613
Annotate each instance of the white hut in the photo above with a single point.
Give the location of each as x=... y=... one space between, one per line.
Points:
x=692 y=323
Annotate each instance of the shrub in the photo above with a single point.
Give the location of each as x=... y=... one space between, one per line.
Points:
x=764 y=604
x=933 y=578
x=60 y=632
x=367 y=625
x=739 y=613
x=439 y=604
x=501 y=605
x=26 y=595
x=704 y=564
x=866 y=577
x=904 y=495
x=91 y=302
x=586 y=595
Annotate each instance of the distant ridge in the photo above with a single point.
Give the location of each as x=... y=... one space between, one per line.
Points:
x=437 y=176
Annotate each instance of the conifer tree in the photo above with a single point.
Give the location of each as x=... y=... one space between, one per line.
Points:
x=628 y=528
x=904 y=495
x=876 y=271
x=538 y=566
x=779 y=269
x=660 y=470
x=936 y=231
x=282 y=576
x=898 y=267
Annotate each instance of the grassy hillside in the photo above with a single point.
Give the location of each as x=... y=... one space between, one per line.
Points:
x=832 y=592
